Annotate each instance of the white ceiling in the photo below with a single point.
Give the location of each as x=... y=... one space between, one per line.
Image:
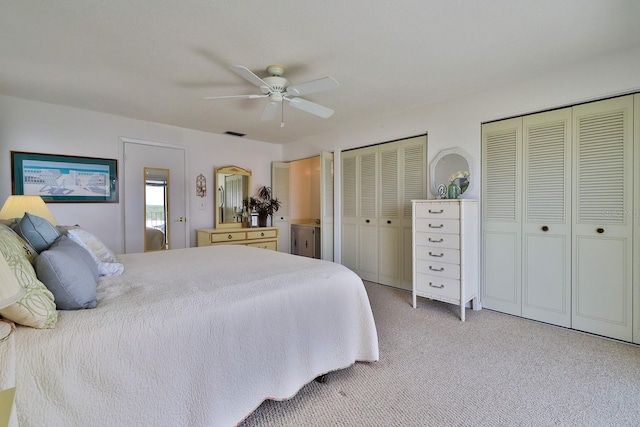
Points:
x=156 y=60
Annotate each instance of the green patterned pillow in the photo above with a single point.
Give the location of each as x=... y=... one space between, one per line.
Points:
x=37 y=307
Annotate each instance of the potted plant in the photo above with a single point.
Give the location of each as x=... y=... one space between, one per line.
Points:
x=264 y=204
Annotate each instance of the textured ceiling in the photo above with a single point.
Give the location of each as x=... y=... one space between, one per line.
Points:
x=156 y=60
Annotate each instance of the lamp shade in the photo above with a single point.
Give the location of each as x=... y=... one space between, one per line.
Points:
x=17 y=206
x=10 y=289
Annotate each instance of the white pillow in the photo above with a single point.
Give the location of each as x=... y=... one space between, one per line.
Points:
x=105 y=258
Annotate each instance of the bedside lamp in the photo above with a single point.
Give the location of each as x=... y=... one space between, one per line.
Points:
x=10 y=289
x=16 y=206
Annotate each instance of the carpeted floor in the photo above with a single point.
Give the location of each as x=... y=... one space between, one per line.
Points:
x=492 y=370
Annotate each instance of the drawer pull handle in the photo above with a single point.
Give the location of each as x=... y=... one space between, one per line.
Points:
x=435 y=255
x=436 y=226
x=436 y=241
x=229 y=237
x=367 y=221
x=436 y=286
x=600 y=230
x=436 y=212
x=388 y=221
x=545 y=228
x=262 y=234
x=436 y=269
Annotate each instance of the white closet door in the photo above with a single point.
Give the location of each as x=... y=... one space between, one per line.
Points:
x=390 y=226
x=602 y=229
x=282 y=219
x=349 y=248
x=367 y=197
x=413 y=176
x=501 y=214
x=546 y=224
x=326 y=205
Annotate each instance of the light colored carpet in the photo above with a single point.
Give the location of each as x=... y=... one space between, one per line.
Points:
x=492 y=370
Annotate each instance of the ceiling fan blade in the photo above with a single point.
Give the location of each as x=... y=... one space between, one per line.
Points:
x=313 y=86
x=269 y=111
x=310 y=107
x=237 y=97
x=247 y=74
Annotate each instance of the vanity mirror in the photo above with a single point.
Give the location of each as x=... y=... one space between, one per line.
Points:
x=446 y=163
x=233 y=185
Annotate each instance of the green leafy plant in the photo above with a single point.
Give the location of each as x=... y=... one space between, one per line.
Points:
x=264 y=203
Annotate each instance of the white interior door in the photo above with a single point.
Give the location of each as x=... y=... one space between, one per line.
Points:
x=140 y=154
x=280 y=178
x=326 y=205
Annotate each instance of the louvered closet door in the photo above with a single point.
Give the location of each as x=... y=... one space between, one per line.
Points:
x=326 y=205
x=602 y=227
x=359 y=212
x=390 y=228
x=414 y=187
x=546 y=227
x=403 y=177
x=349 y=214
x=367 y=196
x=501 y=213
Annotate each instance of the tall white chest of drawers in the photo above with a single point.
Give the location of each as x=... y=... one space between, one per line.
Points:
x=445 y=251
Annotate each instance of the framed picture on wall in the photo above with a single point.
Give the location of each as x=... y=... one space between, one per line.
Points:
x=60 y=178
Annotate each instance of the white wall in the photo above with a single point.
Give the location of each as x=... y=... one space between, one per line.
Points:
x=45 y=128
x=457 y=122
x=304 y=191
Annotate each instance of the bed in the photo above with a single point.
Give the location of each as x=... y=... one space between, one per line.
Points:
x=193 y=337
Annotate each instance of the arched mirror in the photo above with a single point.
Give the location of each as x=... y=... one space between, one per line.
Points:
x=233 y=189
x=156 y=209
x=446 y=163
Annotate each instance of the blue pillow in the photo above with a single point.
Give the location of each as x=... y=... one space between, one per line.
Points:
x=68 y=271
x=36 y=231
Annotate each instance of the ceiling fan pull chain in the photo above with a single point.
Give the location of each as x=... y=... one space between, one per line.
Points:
x=282 y=121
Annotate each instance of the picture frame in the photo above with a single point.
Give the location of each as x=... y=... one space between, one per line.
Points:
x=61 y=178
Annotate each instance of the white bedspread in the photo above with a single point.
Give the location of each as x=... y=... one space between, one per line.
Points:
x=194 y=337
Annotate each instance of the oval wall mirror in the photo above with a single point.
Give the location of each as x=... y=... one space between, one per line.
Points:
x=448 y=162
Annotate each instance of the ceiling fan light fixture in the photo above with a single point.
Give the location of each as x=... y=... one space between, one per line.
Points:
x=275 y=96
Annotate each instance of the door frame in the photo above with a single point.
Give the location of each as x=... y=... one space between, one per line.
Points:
x=122 y=189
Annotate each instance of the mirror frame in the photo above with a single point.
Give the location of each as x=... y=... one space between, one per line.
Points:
x=168 y=212
x=229 y=170
x=440 y=156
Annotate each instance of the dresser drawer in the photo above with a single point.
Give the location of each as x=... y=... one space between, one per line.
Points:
x=430 y=253
x=438 y=287
x=438 y=210
x=228 y=237
x=260 y=234
x=439 y=240
x=441 y=269
x=450 y=226
x=272 y=245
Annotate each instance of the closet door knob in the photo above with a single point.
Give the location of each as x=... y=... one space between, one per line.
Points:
x=600 y=230
x=545 y=228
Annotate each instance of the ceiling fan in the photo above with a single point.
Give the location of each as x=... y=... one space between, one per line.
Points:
x=278 y=89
